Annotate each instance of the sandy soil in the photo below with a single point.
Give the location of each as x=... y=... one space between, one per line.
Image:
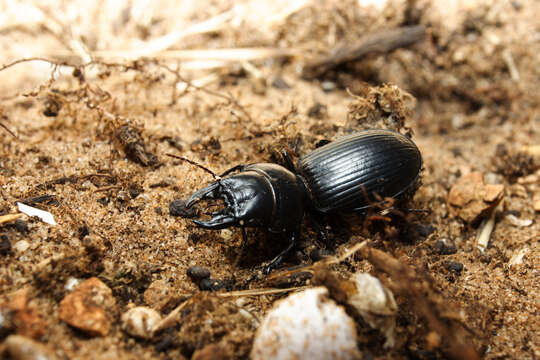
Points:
x=91 y=147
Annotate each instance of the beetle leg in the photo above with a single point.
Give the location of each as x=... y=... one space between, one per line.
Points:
x=274 y=263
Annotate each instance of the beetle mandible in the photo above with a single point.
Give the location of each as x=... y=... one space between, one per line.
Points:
x=347 y=175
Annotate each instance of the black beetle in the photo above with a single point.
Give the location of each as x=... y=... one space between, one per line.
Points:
x=346 y=175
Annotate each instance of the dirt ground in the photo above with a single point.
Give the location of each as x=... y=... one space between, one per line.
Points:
x=88 y=143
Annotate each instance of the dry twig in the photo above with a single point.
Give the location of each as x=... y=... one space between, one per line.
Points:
x=375 y=43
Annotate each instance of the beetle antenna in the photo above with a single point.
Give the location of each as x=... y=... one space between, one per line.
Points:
x=9 y=131
x=216 y=177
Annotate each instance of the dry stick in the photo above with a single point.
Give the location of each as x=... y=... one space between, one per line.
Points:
x=9 y=218
x=263 y=291
x=375 y=43
x=16 y=62
x=224 y=54
x=170 y=319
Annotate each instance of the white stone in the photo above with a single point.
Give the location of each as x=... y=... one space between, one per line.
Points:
x=21 y=246
x=140 y=321
x=306 y=326
x=376 y=305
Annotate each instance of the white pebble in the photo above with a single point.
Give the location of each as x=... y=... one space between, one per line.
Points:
x=306 y=325
x=71 y=283
x=21 y=246
x=371 y=296
x=376 y=305
x=140 y=321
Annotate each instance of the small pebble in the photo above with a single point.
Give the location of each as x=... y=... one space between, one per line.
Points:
x=280 y=83
x=210 y=284
x=87 y=307
x=328 y=86
x=471 y=199
x=444 y=247
x=135 y=190
x=178 y=208
x=375 y=304
x=425 y=230
x=306 y=326
x=21 y=246
x=22 y=348
x=317 y=111
x=71 y=283
x=140 y=321
x=21 y=225
x=5 y=245
x=197 y=273
x=454 y=266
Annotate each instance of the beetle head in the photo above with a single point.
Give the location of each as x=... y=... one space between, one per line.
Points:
x=248 y=201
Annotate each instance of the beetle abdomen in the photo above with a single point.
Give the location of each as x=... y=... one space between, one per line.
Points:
x=346 y=174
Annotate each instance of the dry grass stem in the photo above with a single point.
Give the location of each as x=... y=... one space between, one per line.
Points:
x=10 y=217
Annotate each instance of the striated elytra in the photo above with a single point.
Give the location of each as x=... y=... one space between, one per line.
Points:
x=346 y=175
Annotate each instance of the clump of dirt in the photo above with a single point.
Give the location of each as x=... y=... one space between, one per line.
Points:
x=210 y=320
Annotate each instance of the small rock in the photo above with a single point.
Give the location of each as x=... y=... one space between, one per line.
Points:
x=140 y=321
x=21 y=226
x=280 y=83
x=306 y=325
x=22 y=348
x=21 y=246
x=197 y=273
x=471 y=199
x=5 y=245
x=210 y=284
x=71 y=283
x=328 y=86
x=85 y=308
x=178 y=208
x=376 y=305
x=318 y=111
x=425 y=230
x=135 y=190
x=444 y=246
x=454 y=266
